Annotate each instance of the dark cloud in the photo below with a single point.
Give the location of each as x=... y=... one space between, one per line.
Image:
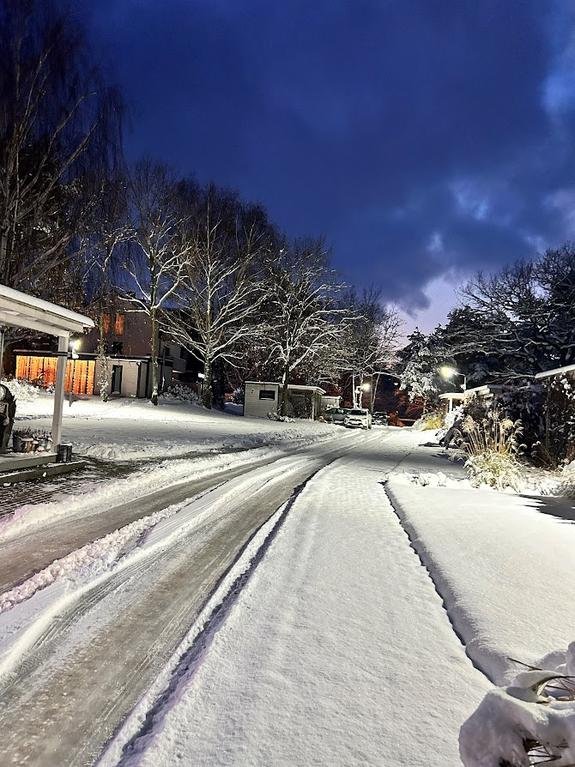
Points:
x=420 y=136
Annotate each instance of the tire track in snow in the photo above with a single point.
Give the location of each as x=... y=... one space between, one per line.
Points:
x=191 y=659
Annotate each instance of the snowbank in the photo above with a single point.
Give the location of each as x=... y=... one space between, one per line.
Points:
x=131 y=429
x=535 y=715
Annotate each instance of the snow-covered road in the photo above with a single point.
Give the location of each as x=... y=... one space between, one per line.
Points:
x=77 y=655
x=338 y=650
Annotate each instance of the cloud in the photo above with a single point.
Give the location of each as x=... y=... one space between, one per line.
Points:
x=388 y=127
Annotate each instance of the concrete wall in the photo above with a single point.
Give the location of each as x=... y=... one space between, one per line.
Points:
x=256 y=407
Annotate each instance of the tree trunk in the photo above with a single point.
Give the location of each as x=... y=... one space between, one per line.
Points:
x=374 y=385
x=104 y=377
x=207 y=393
x=284 y=392
x=154 y=356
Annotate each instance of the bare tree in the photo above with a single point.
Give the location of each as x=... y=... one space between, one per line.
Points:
x=368 y=344
x=106 y=229
x=523 y=316
x=305 y=319
x=158 y=259
x=57 y=119
x=221 y=294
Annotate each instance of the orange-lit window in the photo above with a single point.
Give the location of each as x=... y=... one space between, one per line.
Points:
x=106 y=323
x=119 y=325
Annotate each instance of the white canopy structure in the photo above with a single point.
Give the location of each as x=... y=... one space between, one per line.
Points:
x=24 y=311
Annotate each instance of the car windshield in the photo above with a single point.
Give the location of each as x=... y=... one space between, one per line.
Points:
x=358 y=412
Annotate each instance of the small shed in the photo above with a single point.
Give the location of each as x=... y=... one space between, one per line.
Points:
x=25 y=311
x=262 y=397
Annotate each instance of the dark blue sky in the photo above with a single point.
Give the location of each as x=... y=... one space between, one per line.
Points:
x=424 y=138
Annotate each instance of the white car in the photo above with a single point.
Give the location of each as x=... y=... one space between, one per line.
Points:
x=359 y=418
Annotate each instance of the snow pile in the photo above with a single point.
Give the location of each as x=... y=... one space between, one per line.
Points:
x=22 y=390
x=87 y=561
x=132 y=429
x=428 y=479
x=531 y=721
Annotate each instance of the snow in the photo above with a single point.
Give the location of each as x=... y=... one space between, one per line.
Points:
x=130 y=429
x=338 y=651
x=503 y=565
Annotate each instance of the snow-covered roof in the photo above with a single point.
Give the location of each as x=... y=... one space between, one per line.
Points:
x=556 y=371
x=454 y=395
x=25 y=311
x=293 y=387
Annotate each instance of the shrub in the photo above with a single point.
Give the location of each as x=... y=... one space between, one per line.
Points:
x=181 y=393
x=492 y=446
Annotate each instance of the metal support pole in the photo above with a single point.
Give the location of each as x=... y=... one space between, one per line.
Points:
x=59 y=390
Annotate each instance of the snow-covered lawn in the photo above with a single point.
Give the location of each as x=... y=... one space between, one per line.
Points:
x=126 y=429
x=337 y=652
x=504 y=566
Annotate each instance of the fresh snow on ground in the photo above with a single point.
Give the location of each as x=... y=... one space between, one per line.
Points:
x=503 y=565
x=129 y=429
x=338 y=651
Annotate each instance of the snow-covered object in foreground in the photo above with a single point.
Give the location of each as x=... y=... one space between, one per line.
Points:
x=510 y=721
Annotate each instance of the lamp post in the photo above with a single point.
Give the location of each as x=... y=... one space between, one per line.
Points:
x=74 y=346
x=448 y=372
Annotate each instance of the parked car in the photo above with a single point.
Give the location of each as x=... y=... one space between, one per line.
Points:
x=359 y=418
x=336 y=414
x=380 y=418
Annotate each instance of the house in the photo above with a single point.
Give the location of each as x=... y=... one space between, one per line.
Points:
x=262 y=397
x=127 y=344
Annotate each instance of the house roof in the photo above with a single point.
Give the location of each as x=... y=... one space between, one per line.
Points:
x=555 y=371
x=293 y=387
x=25 y=311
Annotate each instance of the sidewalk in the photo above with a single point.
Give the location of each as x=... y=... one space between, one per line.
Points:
x=338 y=652
x=503 y=564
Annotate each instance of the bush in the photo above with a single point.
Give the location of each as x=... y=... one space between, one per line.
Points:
x=492 y=446
x=181 y=393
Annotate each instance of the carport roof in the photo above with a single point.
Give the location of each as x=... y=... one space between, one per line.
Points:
x=25 y=311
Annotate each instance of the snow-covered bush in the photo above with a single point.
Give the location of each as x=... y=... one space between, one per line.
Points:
x=492 y=446
x=22 y=390
x=530 y=722
x=181 y=393
x=558 y=441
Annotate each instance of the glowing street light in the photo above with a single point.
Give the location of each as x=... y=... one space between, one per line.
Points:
x=448 y=372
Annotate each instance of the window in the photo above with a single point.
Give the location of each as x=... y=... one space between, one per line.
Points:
x=106 y=323
x=267 y=394
x=119 y=325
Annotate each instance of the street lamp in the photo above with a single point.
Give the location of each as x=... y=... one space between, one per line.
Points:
x=448 y=372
